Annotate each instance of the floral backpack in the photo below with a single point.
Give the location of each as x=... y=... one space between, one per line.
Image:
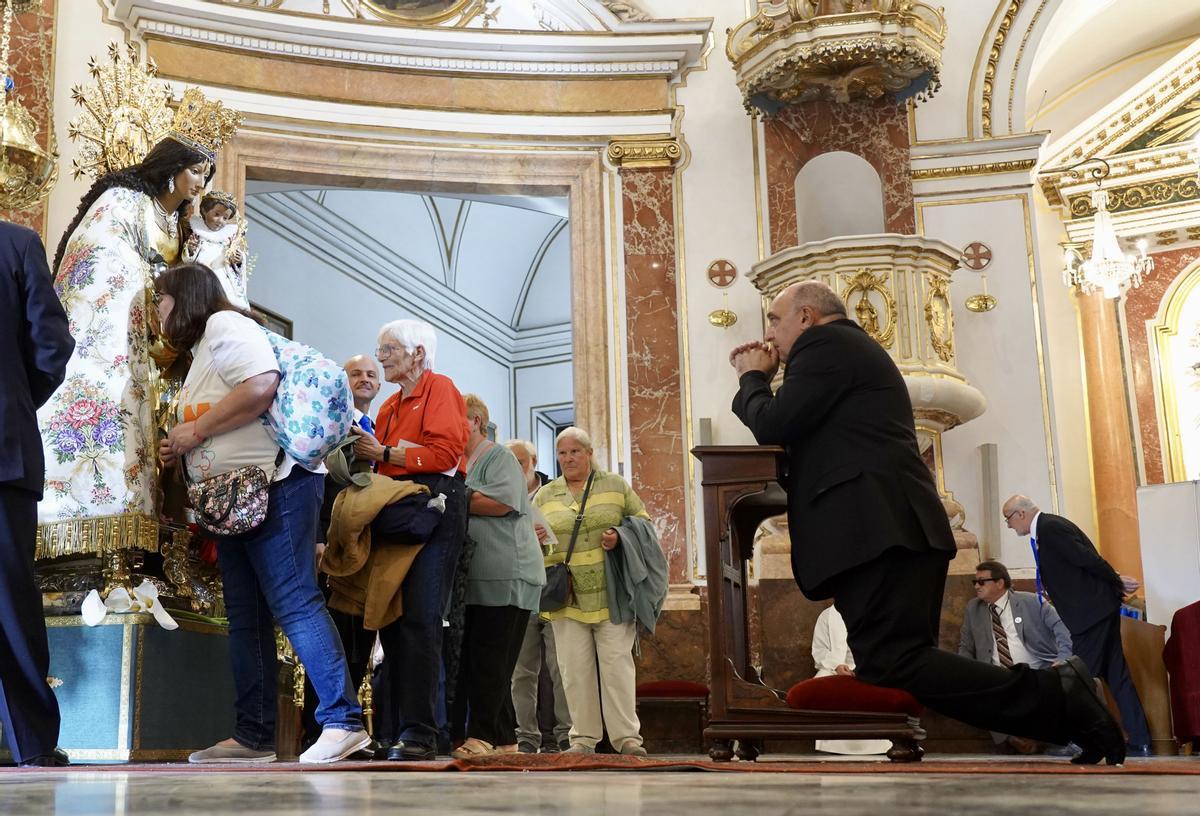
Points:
x=313 y=409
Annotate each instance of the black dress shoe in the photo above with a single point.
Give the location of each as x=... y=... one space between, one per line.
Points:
x=56 y=759
x=403 y=751
x=1088 y=721
x=374 y=750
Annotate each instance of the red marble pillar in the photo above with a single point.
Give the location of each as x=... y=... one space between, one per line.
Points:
x=32 y=56
x=654 y=366
x=1141 y=305
x=875 y=130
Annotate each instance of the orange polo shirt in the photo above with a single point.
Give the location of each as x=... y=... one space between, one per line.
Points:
x=434 y=416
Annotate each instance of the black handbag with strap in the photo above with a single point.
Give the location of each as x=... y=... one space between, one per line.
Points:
x=557 y=590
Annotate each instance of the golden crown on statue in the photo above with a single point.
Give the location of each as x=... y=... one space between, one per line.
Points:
x=204 y=124
x=126 y=111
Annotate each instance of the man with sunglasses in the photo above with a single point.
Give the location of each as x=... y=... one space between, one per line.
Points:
x=1004 y=627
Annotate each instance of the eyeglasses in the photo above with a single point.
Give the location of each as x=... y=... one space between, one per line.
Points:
x=982 y=581
x=386 y=350
x=1010 y=514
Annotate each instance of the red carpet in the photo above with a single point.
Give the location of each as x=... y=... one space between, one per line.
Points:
x=1182 y=766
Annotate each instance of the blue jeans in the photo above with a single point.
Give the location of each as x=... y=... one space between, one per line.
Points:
x=270 y=575
x=412 y=645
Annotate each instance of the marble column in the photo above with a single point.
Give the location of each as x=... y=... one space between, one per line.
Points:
x=32 y=56
x=1141 y=306
x=652 y=321
x=1114 y=474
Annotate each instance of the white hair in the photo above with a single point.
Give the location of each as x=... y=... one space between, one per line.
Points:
x=578 y=434
x=410 y=334
x=524 y=445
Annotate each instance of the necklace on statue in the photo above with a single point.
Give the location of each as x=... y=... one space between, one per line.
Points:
x=168 y=221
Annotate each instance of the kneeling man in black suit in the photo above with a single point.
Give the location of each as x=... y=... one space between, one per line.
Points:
x=868 y=528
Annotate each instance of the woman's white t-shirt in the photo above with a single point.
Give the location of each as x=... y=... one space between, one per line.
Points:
x=232 y=349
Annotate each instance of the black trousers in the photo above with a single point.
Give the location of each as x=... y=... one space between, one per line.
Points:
x=491 y=644
x=28 y=707
x=1099 y=646
x=892 y=608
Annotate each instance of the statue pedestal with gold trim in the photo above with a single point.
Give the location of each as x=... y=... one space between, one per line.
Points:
x=898 y=289
x=130 y=690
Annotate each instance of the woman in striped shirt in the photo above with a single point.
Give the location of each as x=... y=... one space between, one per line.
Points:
x=592 y=651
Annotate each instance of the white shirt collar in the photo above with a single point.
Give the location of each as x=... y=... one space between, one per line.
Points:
x=1033 y=525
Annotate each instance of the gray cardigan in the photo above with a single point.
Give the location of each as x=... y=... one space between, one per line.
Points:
x=1042 y=631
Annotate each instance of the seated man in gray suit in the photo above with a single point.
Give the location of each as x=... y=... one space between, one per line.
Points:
x=1004 y=627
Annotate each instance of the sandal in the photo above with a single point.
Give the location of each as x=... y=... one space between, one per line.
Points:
x=472 y=748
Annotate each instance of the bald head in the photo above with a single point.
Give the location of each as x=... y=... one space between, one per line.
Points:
x=1019 y=512
x=818 y=296
x=798 y=308
x=363 y=373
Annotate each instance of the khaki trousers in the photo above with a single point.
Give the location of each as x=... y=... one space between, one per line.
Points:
x=580 y=646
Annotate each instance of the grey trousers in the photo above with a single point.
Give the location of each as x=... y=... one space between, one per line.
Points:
x=538 y=634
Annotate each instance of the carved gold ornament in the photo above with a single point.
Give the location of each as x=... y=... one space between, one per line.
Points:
x=864 y=283
x=27 y=170
x=940 y=318
x=1136 y=196
x=125 y=113
x=422 y=12
x=644 y=153
x=837 y=49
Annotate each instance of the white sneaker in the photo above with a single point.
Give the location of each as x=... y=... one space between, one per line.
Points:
x=237 y=753
x=580 y=748
x=335 y=744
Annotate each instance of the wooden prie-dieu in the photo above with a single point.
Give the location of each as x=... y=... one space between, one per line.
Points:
x=742 y=488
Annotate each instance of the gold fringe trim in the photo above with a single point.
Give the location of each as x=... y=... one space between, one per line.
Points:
x=95 y=536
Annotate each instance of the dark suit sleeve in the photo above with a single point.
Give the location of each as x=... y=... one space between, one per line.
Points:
x=51 y=342
x=814 y=382
x=966 y=640
x=1079 y=551
x=1062 y=635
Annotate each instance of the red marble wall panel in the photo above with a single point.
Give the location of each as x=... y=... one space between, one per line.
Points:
x=655 y=387
x=877 y=131
x=32 y=56
x=1140 y=305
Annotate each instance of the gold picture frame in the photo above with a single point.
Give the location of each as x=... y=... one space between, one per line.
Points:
x=423 y=12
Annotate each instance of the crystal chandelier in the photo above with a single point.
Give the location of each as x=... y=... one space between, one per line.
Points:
x=1108 y=269
x=27 y=170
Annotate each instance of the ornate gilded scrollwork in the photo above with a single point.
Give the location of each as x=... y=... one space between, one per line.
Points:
x=864 y=283
x=940 y=318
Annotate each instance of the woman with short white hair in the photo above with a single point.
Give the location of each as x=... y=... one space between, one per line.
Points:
x=595 y=655
x=421 y=435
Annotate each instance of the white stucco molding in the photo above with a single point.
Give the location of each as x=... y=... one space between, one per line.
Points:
x=657 y=48
x=1157 y=184
x=400 y=125
x=976 y=167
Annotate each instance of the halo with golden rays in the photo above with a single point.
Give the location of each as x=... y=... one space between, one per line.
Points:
x=124 y=113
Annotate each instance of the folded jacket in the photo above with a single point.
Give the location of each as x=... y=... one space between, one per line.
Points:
x=364 y=579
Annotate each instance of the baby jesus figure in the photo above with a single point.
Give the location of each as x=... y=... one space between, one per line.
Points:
x=218 y=240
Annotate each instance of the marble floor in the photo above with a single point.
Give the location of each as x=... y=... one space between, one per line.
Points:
x=83 y=792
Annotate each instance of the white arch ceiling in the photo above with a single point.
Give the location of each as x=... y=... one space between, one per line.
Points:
x=1091 y=51
x=509 y=256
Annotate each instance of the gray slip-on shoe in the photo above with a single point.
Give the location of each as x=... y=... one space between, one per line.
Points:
x=236 y=753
